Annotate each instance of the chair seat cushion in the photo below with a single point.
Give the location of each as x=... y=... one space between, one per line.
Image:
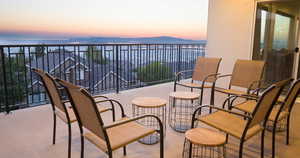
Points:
x=120 y=136
x=230 y=91
x=275 y=111
x=193 y=85
x=230 y=123
x=247 y=106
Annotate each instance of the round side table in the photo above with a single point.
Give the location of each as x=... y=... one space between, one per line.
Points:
x=154 y=106
x=181 y=108
x=204 y=143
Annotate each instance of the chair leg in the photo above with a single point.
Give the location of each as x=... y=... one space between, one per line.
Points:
x=212 y=97
x=70 y=139
x=201 y=97
x=190 y=149
x=241 y=148
x=54 y=129
x=124 y=151
x=174 y=87
x=273 y=139
x=288 y=130
x=262 y=143
x=110 y=154
x=161 y=135
x=82 y=146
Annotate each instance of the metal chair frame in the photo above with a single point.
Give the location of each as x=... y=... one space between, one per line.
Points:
x=204 y=81
x=114 y=124
x=57 y=89
x=249 y=118
x=281 y=109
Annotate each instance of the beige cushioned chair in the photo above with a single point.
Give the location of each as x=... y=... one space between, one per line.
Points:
x=204 y=76
x=235 y=124
x=59 y=107
x=246 y=74
x=279 y=112
x=107 y=137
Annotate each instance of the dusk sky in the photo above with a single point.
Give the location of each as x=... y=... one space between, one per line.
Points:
x=118 y=18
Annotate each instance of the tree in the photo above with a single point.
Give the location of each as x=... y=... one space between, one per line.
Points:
x=96 y=55
x=15 y=71
x=156 y=72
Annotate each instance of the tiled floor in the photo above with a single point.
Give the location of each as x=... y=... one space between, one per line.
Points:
x=28 y=133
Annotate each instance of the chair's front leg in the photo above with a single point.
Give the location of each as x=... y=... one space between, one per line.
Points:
x=262 y=143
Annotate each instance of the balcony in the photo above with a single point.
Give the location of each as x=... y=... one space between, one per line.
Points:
x=28 y=132
x=119 y=71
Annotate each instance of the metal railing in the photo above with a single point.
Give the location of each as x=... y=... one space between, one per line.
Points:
x=101 y=68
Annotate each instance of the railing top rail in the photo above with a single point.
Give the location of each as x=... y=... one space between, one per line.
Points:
x=96 y=44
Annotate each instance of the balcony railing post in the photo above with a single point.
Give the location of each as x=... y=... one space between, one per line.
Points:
x=4 y=80
x=179 y=58
x=117 y=71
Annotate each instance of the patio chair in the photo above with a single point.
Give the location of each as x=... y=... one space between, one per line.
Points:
x=279 y=113
x=246 y=74
x=59 y=108
x=106 y=137
x=235 y=124
x=205 y=71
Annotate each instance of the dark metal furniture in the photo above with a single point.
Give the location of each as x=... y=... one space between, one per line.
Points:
x=153 y=106
x=280 y=113
x=204 y=143
x=181 y=108
x=61 y=108
x=106 y=137
x=241 y=126
x=203 y=76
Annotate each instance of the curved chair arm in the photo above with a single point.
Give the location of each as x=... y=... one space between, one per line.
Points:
x=178 y=74
x=100 y=96
x=209 y=76
x=223 y=76
x=112 y=101
x=118 y=123
x=252 y=87
x=213 y=107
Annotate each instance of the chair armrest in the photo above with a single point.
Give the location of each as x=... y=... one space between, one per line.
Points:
x=118 y=123
x=177 y=75
x=222 y=76
x=100 y=96
x=215 y=75
x=65 y=101
x=112 y=101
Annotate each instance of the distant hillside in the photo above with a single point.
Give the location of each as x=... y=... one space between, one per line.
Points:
x=86 y=40
x=158 y=40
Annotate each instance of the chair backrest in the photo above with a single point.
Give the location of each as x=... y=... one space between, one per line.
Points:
x=266 y=102
x=51 y=89
x=291 y=97
x=245 y=72
x=206 y=66
x=85 y=108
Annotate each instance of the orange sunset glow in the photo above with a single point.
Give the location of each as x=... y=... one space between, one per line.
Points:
x=126 y=18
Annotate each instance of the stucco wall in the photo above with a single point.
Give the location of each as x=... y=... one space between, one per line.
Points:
x=229 y=32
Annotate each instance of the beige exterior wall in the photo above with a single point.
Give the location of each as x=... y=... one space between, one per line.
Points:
x=230 y=31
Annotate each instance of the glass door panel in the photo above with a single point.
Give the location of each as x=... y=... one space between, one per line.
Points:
x=275 y=41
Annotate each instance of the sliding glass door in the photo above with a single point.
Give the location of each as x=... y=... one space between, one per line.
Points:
x=275 y=40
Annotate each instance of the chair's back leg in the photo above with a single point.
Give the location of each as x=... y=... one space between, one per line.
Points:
x=54 y=128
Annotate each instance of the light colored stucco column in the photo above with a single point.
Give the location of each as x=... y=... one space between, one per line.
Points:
x=230 y=31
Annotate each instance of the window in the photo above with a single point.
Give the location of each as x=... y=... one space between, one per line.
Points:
x=281 y=32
